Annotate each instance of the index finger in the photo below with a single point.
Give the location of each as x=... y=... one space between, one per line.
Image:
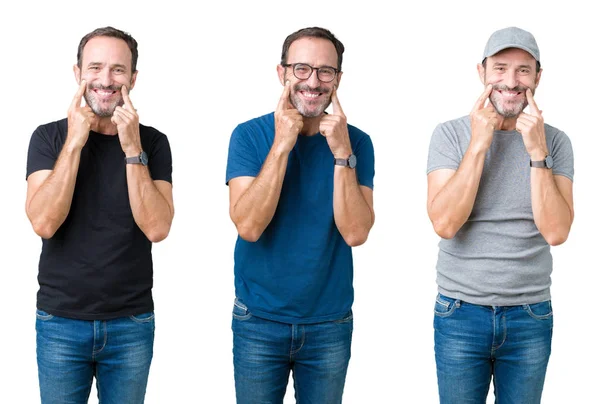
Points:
x=285 y=97
x=482 y=98
x=337 y=107
x=532 y=105
x=126 y=99
x=76 y=103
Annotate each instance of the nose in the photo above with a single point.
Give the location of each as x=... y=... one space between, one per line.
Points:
x=510 y=79
x=313 y=80
x=105 y=77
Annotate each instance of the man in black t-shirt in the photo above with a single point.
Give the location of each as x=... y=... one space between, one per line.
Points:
x=99 y=194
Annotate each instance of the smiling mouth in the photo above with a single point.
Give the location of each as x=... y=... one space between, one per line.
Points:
x=104 y=93
x=310 y=94
x=509 y=93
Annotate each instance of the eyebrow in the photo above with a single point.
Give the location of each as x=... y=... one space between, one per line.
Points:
x=518 y=67
x=91 y=64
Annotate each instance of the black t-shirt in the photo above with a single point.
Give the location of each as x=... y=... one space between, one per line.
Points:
x=98 y=264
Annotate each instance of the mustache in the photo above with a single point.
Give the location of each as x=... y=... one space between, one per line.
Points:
x=504 y=87
x=305 y=87
x=92 y=86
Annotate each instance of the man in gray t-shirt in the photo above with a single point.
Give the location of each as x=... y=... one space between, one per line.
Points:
x=500 y=192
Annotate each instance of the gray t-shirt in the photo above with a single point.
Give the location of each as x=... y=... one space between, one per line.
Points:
x=498 y=257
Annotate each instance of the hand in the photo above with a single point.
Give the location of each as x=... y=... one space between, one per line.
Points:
x=484 y=120
x=128 y=126
x=79 y=120
x=531 y=127
x=335 y=129
x=288 y=122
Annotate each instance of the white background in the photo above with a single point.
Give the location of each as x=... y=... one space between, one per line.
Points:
x=203 y=70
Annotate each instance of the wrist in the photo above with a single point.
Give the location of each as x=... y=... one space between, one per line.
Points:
x=538 y=155
x=342 y=153
x=132 y=151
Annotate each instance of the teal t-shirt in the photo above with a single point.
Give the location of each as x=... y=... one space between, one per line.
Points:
x=300 y=270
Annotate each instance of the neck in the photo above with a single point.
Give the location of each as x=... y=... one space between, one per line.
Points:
x=507 y=123
x=104 y=126
x=311 y=125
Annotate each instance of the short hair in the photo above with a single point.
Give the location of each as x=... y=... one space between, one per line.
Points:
x=313 y=32
x=111 y=33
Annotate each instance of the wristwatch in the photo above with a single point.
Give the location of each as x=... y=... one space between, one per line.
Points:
x=349 y=162
x=547 y=162
x=141 y=159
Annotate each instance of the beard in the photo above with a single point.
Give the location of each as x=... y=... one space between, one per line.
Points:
x=505 y=108
x=308 y=108
x=100 y=108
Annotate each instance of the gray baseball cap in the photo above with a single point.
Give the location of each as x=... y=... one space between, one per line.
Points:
x=511 y=37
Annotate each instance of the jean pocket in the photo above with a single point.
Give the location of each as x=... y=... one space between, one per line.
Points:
x=143 y=318
x=539 y=311
x=445 y=306
x=240 y=311
x=43 y=316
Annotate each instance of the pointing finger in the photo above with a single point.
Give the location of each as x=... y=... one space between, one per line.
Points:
x=78 y=95
x=532 y=105
x=285 y=97
x=482 y=98
x=126 y=98
x=337 y=107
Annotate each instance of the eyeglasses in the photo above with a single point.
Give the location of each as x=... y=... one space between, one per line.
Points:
x=302 y=71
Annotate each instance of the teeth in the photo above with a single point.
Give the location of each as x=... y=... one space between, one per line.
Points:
x=311 y=95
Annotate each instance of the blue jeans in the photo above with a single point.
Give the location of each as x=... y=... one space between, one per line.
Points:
x=264 y=353
x=474 y=343
x=71 y=352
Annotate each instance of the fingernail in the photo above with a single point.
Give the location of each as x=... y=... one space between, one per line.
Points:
x=287 y=82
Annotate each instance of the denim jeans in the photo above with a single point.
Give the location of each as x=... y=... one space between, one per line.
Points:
x=71 y=352
x=474 y=343
x=264 y=353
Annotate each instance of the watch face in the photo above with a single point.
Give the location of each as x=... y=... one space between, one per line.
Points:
x=144 y=158
x=549 y=162
x=352 y=161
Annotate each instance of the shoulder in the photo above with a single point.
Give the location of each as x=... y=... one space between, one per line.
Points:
x=357 y=136
x=263 y=122
x=553 y=132
x=53 y=129
x=458 y=125
x=151 y=132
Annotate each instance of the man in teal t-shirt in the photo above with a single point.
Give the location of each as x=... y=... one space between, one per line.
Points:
x=301 y=195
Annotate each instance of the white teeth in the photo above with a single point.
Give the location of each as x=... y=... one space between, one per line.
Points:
x=311 y=95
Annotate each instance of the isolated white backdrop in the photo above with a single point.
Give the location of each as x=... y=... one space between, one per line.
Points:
x=205 y=68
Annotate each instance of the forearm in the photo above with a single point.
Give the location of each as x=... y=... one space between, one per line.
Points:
x=254 y=209
x=551 y=212
x=49 y=206
x=453 y=204
x=151 y=210
x=352 y=214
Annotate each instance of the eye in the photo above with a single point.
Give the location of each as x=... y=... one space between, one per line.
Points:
x=499 y=68
x=95 y=68
x=119 y=70
x=326 y=71
x=524 y=71
x=302 y=69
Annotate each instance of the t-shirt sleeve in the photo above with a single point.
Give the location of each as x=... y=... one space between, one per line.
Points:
x=42 y=153
x=242 y=159
x=443 y=150
x=365 y=162
x=160 y=161
x=562 y=156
